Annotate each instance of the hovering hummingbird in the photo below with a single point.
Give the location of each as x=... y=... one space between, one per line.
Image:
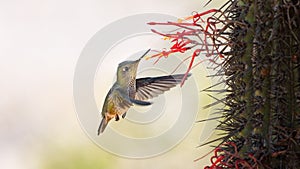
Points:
x=128 y=90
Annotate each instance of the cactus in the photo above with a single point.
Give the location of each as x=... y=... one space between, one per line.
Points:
x=256 y=47
x=262 y=71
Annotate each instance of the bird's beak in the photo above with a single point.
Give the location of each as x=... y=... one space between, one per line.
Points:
x=144 y=55
x=136 y=63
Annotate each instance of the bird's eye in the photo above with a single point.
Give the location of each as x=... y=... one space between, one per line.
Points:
x=125 y=69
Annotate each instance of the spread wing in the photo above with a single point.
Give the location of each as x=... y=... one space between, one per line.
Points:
x=149 y=87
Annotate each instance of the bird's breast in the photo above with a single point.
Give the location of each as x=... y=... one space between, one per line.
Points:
x=114 y=109
x=132 y=88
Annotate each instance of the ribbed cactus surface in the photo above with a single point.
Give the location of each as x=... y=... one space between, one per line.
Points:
x=261 y=117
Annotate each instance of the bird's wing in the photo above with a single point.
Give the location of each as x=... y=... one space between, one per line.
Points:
x=116 y=104
x=120 y=100
x=123 y=101
x=149 y=87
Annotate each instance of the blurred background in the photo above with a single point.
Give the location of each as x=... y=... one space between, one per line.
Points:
x=40 y=43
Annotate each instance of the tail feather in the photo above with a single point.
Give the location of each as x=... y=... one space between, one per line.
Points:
x=102 y=126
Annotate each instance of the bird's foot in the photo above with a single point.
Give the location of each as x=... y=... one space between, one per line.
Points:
x=117 y=118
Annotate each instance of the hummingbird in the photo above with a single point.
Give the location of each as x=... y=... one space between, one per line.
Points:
x=127 y=90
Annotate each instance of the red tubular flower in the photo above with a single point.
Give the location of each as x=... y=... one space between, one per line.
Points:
x=224 y=159
x=195 y=34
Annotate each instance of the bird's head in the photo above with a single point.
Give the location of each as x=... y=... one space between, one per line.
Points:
x=127 y=70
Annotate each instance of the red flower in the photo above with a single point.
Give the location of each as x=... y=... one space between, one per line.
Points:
x=197 y=35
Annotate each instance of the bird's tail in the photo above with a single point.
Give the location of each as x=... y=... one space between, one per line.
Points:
x=102 y=126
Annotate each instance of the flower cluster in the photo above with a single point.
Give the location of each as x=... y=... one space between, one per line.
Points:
x=227 y=156
x=193 y=33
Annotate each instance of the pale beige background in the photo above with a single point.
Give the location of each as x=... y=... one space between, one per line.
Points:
x=39 y=46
